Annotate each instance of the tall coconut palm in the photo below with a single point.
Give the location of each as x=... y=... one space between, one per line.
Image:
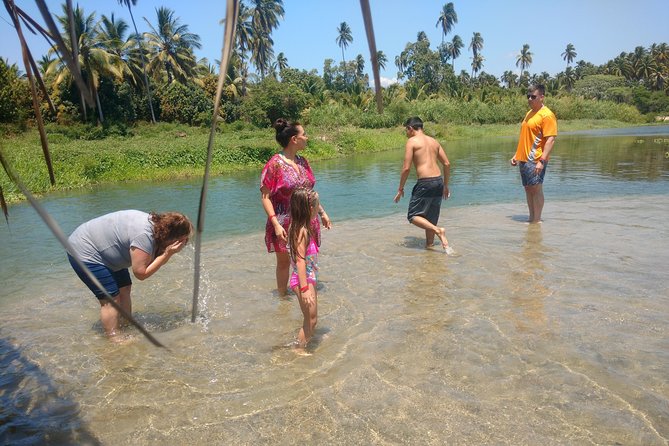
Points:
x=359 y=65
x=381 y=59
x=262 y=52
x=344 y=38
x=138 y=39
x=447 y=18
x=94 y=59
x=454 y=49
x=264 y=17
x=476 y=45
x=111 y=35
x=569 y=54
x=170 y=45
x=265 y=14
x=281 y=62
x=524 y=58
x=477 y=64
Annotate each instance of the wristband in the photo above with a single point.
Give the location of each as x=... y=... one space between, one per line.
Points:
x=305 y=288
x=272 y=216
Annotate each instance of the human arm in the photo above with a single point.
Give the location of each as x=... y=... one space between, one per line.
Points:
x=325 y=218
x=443 y=159
x=301 y=265
x=406 y=169
x=144 y=265
x=548 y=147
x=269 y=209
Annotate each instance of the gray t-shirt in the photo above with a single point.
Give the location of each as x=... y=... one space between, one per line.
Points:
x=107 y=239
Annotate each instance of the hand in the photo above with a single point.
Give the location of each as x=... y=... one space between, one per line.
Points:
x=538 y=167
x=325 y=219
x=280 y=232
x=175 y=247
x=400 y=194
x=308 y=297
x=514 y=162
x=447 y=193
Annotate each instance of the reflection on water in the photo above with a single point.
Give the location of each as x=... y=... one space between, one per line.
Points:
x=529 y=334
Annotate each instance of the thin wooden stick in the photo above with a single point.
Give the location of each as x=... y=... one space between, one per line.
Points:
x=232 y=11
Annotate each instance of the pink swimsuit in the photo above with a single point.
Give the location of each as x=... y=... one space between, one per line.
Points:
x=312 y=266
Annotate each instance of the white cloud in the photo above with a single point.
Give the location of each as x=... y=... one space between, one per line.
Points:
x=386 y=81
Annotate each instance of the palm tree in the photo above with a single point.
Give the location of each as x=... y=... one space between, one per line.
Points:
x=359 y=65
x=509 y=78
x=111 y=36
x=476 y=45
x=262 y=52
x=170 y=46
x=477 y=64
x=381 y=59
x=524 y=59
x=281 y=62
x=264 y=17
x=138 y=38
x=569 y=54
x=344 y=38
x=94 y=59
x=454 y=49
x=568 y=78
x=447 y=18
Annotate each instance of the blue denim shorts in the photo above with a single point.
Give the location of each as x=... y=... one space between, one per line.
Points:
x=528 y=176
x=113 y=281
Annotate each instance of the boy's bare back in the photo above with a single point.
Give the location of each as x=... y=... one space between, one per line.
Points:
x=426 y=151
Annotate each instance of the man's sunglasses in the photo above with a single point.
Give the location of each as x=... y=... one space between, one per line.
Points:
x=531 y=96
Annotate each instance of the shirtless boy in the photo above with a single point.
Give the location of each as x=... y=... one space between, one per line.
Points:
x=424 y=151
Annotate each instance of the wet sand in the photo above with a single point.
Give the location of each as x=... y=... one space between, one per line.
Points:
x=528 y=334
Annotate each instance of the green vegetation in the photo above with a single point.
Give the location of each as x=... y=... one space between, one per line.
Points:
x=88 y=155
x=137 y=78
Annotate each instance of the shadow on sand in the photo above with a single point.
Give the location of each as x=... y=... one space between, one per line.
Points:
x=32 y=411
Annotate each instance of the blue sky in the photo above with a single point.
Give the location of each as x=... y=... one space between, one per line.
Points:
x=599 y=29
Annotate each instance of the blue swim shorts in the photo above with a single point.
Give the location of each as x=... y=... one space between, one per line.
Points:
x=528 y=176
x=113 y=281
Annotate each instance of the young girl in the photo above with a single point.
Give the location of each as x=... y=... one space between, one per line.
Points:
x=303 y=255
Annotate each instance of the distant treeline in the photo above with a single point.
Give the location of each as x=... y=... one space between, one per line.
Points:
x=139 y=77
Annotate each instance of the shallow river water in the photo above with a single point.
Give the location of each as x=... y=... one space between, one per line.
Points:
x=555 y=333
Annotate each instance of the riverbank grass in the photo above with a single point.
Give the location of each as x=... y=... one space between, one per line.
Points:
x=85 y=157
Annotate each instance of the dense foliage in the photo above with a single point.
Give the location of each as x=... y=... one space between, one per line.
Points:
x=156 y=73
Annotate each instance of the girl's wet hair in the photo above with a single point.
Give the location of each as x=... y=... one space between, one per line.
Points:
x=302 y=202
x=285 y=130
x=169 y=227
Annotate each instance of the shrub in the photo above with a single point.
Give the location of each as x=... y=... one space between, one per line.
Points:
x=270 y=100
x=187 y=104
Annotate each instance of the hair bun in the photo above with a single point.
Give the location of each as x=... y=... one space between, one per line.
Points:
x=280 y=124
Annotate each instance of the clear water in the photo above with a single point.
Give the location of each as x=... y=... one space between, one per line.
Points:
x=544 y=334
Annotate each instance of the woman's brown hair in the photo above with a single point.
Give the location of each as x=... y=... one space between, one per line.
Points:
x=169 y=227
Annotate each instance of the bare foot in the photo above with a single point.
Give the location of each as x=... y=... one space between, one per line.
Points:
x=441 y=233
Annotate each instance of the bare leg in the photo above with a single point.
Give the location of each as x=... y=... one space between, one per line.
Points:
x=109 y=317
x=125 y=302
x=282 y=272
x=424 y=223
x=429 y=238
x=535 y=202
x=309 y=309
